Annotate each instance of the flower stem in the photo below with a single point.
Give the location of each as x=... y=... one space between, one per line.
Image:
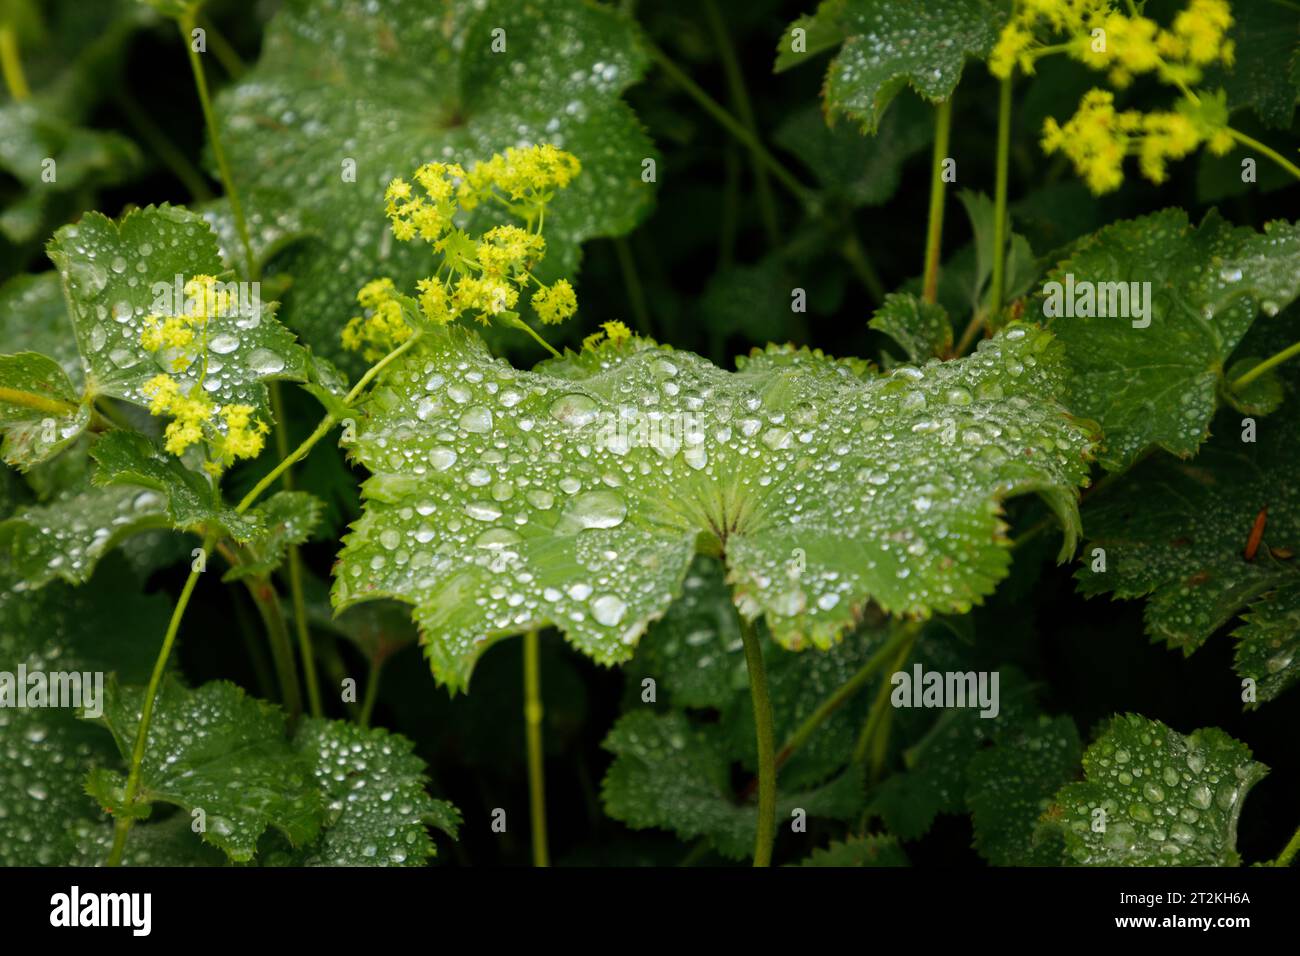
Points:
x=186 y=24
x=11 y=65
x=1289 y=852
x=524 y=326
x=934 y=232
x=998 y=286
x=635 y=291
x=1245 y=379
x=533 y=732
x=230 y=60
x=873 y=742
x=766 y=832
x=323 y=429
x=1268 y=151
x=122 y=827
x=729 y=123
x=740 y=98
x=372 y=692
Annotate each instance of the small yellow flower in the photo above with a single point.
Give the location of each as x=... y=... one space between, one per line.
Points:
x=509 y=250
x=244 y=436
x=435 y=301
x=556 y=302
x=383 y=328
x=617 y=332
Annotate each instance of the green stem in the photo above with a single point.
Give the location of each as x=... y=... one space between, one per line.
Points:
x=766 y=834
x=857 y=259
x=934 y=232
x=904 y=635
x=323 y=429
x=635 y=292
x=1268 y=151
x=524 y=326
x=264 y=595
x=162 y=147
x=533 y=732
x=230 y=60
x=372 y=692
x=1289 y=852
x=186 y=24
x=873 y=742
x=998 y=288
x=1245 y=379
x=122 y=827
x=730 y=124
x=740 y=97
x=11 y=65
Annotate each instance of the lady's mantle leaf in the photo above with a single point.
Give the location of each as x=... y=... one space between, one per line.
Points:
x=671 y=774
x=877 y=849
x=577 y=494
x=1154 y=797
x=31 y=435
x=921 y=328
x=115 y=274
x=1179 y=531
x=1268 y=644
x=1157 y=385
x=385 y=86
x=46 y=752
x=892 y=43
x=1011 y=784
x=376 y=807
x=216 y=750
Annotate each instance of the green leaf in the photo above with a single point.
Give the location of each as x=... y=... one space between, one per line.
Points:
x=921 y=328
x=889 y=44
x=394 y=84
x=1177 y=532
x=1154 y=797
x=373 y=789
x=854 y=169
x=877 y=849
x=694 y=653
x=216 y=750
x=34 y=318
x=1011 y=784
x=1267 y=41
x=286 y=518
x=671 y=774
x=503 y=500
x=935 y=778
x=129 y=458
x=821 y=31
x=1268 y=641
x=46 y=752
x=66 y=537
x=32 y=435
x=115 y=274
x=1157 y=386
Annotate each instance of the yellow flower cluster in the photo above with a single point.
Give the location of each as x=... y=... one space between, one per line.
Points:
x=481 y=276
x=194 y=420
x=555 y=303
x=383 y=326
x=1101 y=36
x=205 y=299
x=616 y=333
x=1098 y=137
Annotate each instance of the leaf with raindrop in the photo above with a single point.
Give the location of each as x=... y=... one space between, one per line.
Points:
x=41 y=412
x=348 y=95
x=1155 y=797
x=116 y=274
x=889 y=44
x=1157 y=386
x=576 y=494
x=1178 y=533
x=1268 y=641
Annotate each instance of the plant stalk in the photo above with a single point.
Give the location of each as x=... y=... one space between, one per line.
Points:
x=934 y=230
x=1288 y=854
x=635 y=291
x=372 y=692
x=762 y=702
x=998 y=287
x=186 y=24
x=533 y=713
x=11 y=65
x=1245 y=379
x=1268 y=151
x=122 y=827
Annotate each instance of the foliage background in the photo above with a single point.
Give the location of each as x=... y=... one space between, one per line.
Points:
x=711 y=282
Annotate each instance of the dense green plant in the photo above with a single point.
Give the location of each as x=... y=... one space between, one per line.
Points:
x=769 y=562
